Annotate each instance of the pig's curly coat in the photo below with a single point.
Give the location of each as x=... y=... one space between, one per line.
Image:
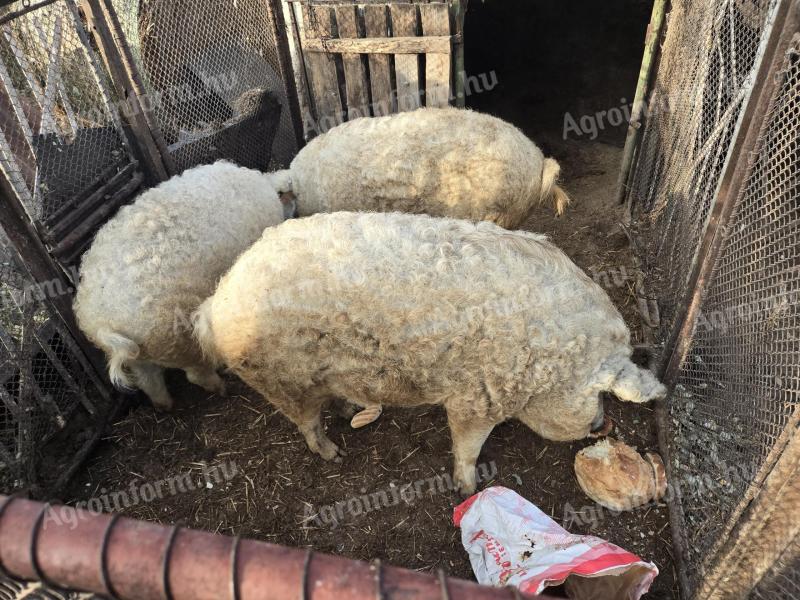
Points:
x=444 y=162
x=152 y=264
x=401 y=309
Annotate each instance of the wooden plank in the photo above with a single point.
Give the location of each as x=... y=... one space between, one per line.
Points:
x=377 y=26
x=321 y=68
x=436 y=21
x=394 y=45
x=404 y=24
x=298 y=66
x=355 y=76
x=459 y=8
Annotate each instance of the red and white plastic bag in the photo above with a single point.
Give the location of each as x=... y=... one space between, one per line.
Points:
x=511 y=542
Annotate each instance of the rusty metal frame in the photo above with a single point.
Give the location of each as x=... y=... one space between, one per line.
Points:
x=142 y=132
x=42 y=267
x=730 y=191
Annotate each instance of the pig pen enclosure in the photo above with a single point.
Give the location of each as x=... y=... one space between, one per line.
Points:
x=101 y=99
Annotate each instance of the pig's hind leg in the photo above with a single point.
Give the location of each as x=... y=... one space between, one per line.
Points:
x=306 y=414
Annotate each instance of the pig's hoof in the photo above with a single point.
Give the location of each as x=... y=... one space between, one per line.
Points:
x=163 y=405
x=330 y=451
x=465 y=487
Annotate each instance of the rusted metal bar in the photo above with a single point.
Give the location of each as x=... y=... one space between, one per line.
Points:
x=130 y=559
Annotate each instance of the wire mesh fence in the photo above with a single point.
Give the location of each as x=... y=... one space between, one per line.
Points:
x=61 y=139
x=60 y=125
x=210 y=76
x=783 y=578
x=13 y=589
x=708 y=58
x=736 y=398
x=48 y=393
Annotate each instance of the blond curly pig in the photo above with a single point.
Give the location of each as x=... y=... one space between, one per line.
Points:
x=404 y=310
x=152 y=264
x=442 y=162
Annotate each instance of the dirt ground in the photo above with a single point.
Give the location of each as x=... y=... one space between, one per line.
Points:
x=279 y=485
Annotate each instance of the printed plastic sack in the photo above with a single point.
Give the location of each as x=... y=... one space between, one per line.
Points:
x=511 y=542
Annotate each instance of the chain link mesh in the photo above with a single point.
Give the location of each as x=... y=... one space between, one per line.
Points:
x=59 y=127
x=738 y=390
x=207 y=72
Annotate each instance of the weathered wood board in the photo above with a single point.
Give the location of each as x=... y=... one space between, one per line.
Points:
x=366 y=58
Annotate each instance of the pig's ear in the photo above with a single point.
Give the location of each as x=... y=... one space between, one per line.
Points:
x=634 y=384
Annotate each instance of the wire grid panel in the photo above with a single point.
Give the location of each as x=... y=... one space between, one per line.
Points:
x=15 y=589
x=737 y=398
x=205 y=70
x=783 y=578
x=59 y=126
x=42 y=380
x=708 y=60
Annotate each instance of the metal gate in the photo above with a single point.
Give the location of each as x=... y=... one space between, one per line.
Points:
x=96 y=105
x=212 y=74
x=715 y=194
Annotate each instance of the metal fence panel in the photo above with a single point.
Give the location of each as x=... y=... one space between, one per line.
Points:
x=61 y=141
x=206 y=71
x=46 y=384
x=708 y=59
x=783 y=579
x=60 y=127
x=739 y=387
x=736 y=398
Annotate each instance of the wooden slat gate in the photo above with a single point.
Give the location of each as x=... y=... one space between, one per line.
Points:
x=361 y=59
